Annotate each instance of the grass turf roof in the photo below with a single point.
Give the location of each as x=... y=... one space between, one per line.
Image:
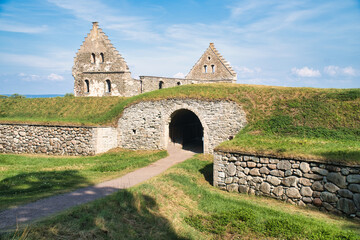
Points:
x=285 y=121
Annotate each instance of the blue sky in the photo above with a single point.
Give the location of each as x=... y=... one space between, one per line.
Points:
x=282 y=43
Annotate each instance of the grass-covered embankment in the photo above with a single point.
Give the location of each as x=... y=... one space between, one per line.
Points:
x=28 y=178
x=182 y=204
x=291 y=122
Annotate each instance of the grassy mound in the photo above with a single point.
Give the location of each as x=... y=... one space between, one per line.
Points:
x=181 y=204
x=28 y=178
x=289 y=122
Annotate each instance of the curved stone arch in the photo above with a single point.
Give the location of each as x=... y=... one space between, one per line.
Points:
x=168 y=118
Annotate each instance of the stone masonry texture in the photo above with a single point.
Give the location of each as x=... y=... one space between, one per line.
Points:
x=145 y=125
x=330 y=187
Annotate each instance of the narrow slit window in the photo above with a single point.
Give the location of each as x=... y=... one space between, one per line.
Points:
x=87 y=86
x=108 y=86
x=161 y=83
x=213 y=68
x=93 y=59
x=102 y=57
x=205 y=68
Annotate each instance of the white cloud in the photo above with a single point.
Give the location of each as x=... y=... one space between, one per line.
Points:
x=179 y=75
x=246 y=70
x=55 y=77
x=305 y=72
x=336 y=70
x=29 y=77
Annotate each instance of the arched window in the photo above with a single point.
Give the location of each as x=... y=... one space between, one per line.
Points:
x=213 y=68
x=205 y=68
x=108 y=86
x=178 y=83
x=93 y=59
x=161 y=83
x=101 y=57
x=87 y=86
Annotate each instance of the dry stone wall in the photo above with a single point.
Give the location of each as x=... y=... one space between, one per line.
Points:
x=55 y=140
x=330 y=187
x=145 y=125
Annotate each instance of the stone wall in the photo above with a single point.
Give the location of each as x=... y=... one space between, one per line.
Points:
x=56 y=140
x=145 y=125
x=150 y=83
x=330 y=187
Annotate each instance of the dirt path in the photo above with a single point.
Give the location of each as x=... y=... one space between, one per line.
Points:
x=48 y=206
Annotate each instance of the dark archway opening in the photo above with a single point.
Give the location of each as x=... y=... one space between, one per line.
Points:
x=185 y=129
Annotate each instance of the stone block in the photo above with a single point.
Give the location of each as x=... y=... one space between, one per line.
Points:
x=234 y=187
x=278 y=191
x=272 y=166
x=354 y=178
x=313 y=176
x=346 y=205
x=317 y=186
x=265 y=188
x=229 y=180
x=320 y=171
x=231 y=169
x=277 y=173
x=305 y=181
x=345 y=171
x=337 y=178
x=264 y=170
x=328 y=197
x=354 y=188
x=293 y=193
x=251 y=164
x=284 y=165
x=345 y=193
x=243 y=189
x=356 y=199
x=264 y=160
x=331 y=187
x=307 y=199
x=255 y=172
x=305 y=167
x=317 y=202
x=290 y=181
x=316 y=194
x=306 y=192
x=273 y=180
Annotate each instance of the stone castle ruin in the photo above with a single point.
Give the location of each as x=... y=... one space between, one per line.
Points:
x=100 y=70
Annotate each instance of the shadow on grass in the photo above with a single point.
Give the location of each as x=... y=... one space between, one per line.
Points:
x=346 y=156
x=207 y=171
x=29 y=185
x=123 y=215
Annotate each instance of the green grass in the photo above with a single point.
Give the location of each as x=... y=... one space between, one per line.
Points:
x=28 y=178
x=181 y=204
x=324 y=123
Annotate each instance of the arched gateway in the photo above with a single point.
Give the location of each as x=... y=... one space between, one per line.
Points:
x=186 y=130
x=195 y=124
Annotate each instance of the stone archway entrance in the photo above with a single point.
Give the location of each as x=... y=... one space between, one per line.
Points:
x=186 y=130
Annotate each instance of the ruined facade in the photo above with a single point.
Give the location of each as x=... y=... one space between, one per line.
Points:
x=100 y=70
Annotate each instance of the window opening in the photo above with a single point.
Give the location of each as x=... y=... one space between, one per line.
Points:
x=205 y=68
x=213 y=68
x=161 y=83
x=108 y=86
x=101 y=57
x=93 y=58
x=87 y=86
x=209 y=58
x=178 y=83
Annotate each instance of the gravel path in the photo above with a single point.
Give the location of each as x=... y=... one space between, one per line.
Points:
x=48 y=206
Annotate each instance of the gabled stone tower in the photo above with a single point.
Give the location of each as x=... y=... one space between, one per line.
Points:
x=100 y=70
x=212 y=66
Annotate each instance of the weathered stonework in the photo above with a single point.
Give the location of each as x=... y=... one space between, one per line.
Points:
x=56 y=140
x=100 y=70
x=145 y=125
x=330 y=187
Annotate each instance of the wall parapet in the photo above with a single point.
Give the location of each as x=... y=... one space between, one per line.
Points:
x=331 y=187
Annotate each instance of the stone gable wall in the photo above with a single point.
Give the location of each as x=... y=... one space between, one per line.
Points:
x=55 y=140
x=330 y=187
x=145 y=125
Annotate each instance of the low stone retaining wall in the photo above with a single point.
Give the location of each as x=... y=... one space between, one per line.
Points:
x=329 y=186
x=57 y=140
